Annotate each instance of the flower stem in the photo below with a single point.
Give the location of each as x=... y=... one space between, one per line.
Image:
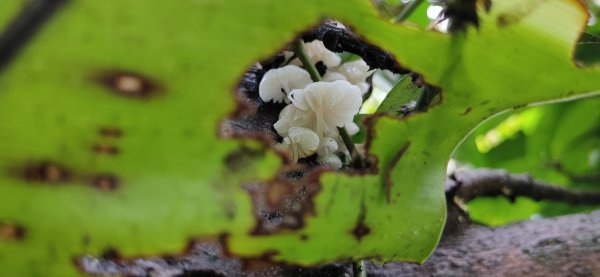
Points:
x=315 y=76
x=308 y=65
x=356 y=157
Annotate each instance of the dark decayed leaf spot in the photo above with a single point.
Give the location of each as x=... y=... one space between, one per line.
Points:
x=47 y=172
x=110 y=253
x=261 y=262
x=129 y=84
x=387 y=173
x=110 y=132
x=361 y=229
x=467 y=110
x=9 y=231
x=105 y=182
x=242 y=157
x=105 y=149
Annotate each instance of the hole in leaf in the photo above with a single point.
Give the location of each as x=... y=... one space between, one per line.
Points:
x=304 y=101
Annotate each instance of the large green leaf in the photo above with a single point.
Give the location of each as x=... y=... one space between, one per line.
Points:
x=173 y=173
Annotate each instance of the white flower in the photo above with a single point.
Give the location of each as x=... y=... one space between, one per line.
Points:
x=317 y=52
x=277 y=83
x=355 y=72
x=325 y=105
x=301 y=142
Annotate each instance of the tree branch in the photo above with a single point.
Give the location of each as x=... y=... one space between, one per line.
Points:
x=338 y=39
x=563 y=246
x=469 y=184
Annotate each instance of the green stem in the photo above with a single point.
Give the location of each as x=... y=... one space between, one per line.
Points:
x=359 y=269
x=308 y=65
x=407 y=11
x=315 y=76
x=356 y=157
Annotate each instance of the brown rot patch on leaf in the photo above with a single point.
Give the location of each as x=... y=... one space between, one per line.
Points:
x=129 y=84
x=110 y=132
x=240 y=158
x=387 y=173
x=106 y=182
x=101 y=148
x=46 y=172
x=261 y=262
x=284 y=202
x=11 y=231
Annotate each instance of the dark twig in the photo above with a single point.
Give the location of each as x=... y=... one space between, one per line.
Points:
x=24 y=26
x=470 y=184
x=338 y=39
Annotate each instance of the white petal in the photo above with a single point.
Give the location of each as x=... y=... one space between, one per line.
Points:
x=317 y=52
x=277 y=83
x=352 y=128
x=327 y=146
x=289 y=117
x=355 y=72
x=302 y=142
x=331 y=160
x=307 y=139
x=364 y=87
x=331 y=76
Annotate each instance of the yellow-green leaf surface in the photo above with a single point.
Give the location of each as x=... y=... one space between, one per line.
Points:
x=67 y=137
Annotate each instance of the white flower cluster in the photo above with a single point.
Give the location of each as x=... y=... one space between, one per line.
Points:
x=308 y=124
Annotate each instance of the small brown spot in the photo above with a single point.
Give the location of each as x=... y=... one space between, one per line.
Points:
x=361 y=229
x=304 y=237
x=106 y=149
x=46 y=171
x=110 y=132
x=10 y=231
x=129 y=84
x=467 y=110
x=105 y=182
